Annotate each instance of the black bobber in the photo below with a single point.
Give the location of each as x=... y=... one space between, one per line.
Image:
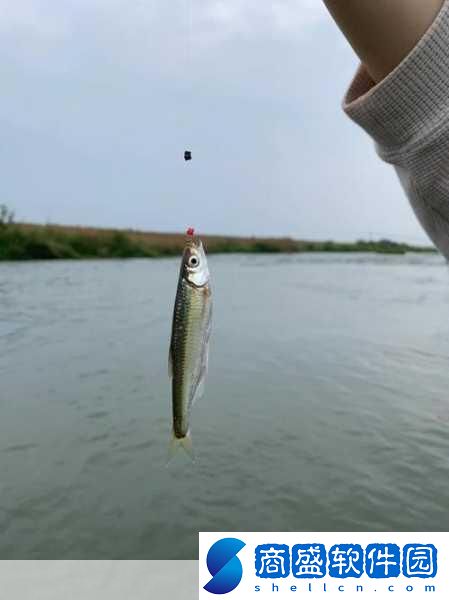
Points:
x=187 y=155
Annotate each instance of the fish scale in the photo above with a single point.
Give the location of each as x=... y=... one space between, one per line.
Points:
x=187 y=343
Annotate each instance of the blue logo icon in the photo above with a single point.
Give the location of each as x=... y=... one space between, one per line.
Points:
x=309 y=561
x=420 y=560
x=224 y=566
x=346 y=560
x=383 y=561
x=272 y=561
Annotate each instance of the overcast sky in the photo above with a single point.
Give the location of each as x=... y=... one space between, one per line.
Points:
x=100 y=98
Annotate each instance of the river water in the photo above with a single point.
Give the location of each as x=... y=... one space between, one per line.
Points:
x=326 y=406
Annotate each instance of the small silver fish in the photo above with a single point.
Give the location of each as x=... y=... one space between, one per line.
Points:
x=189 y=346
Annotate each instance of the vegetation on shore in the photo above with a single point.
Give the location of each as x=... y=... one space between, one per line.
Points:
x=22 y=241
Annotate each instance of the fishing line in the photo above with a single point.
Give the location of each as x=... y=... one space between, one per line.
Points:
x=188 y=112
x=189 y=12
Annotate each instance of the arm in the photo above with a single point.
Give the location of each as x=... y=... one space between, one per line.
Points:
x=400 y=96
x=383 y=32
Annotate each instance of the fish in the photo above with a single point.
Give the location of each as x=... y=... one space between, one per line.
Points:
x=189 y=344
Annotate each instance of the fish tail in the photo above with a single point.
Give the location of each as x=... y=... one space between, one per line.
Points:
x=177 y=443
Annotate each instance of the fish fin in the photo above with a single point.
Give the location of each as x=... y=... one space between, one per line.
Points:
x=199 y=392
x=170 y=364
x=185 y=443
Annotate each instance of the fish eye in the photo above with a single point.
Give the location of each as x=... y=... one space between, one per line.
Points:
x=193 y=261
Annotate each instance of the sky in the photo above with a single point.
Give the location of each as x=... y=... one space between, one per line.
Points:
x=100 y=98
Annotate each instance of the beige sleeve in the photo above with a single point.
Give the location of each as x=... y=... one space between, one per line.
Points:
x=407 y=115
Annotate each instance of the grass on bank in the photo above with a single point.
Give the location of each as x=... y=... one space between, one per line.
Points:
x=20 y=241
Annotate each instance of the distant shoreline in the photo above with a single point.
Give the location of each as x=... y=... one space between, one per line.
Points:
x=25 y=241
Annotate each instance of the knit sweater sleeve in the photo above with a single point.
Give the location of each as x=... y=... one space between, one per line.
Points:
x=407 y=115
